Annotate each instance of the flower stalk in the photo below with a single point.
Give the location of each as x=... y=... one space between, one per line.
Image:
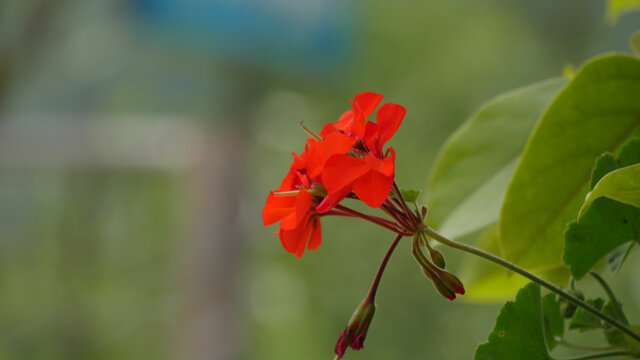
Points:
x=540 y=281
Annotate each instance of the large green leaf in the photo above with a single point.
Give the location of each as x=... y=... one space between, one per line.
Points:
x=607 y=224
x=615 y=8
x=634 y=43
x=596 y=112
x=518 y=333
x=470 y=176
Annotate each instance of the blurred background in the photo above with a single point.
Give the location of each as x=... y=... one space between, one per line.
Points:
x=139 y=139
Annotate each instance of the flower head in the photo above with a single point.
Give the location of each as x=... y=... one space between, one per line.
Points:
x=368 y=171
x=346 y=157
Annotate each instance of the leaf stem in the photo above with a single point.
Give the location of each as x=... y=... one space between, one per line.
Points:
x=612 y=297
x=567 y=344
x=513 y=267
x=601 y=355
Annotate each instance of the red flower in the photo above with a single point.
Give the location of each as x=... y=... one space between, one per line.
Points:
x=351 y=123
x=324 y=168
x=370 y=175
x=299 y=223
x=295 y=207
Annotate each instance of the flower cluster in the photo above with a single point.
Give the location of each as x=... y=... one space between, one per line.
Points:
x=348 y=159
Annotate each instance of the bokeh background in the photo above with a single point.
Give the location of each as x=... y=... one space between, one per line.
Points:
x=138 y=141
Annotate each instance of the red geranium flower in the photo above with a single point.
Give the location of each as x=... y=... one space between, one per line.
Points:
x=351 y=123
x=323 y=168
x=370 y=173
x=293 y=205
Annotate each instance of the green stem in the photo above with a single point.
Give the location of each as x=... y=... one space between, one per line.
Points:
x=564 y=343
x=612 y=297
x=513 y=267
x=601 y=355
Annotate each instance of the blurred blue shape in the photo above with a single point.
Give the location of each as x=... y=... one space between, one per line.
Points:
x=312 y=35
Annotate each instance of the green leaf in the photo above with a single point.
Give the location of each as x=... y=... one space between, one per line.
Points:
x=583 y=320
x=615 y=8
x=596 y=112
x=622 y=185
x=615 y=337
x=518 y=333
x=468 y=181
x=553 y=320
x=410 y=195
x=618 y=256
x=634 y=43
x=607 y=224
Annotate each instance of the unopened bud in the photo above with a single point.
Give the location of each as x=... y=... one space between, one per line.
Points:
x=444 y=288
x=354 y=334
x=454 y=281
x=437 y=258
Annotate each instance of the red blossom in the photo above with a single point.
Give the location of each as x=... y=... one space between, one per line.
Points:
x=352 y=122
x=299 y=223
x=346 y=157
x=370 y=173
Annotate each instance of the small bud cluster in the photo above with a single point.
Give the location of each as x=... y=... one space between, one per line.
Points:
x=447 y=284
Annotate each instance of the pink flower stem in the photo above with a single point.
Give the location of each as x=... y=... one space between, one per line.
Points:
x=403 y=204
x=397 y=215
x=374 y=219
x=376 y=281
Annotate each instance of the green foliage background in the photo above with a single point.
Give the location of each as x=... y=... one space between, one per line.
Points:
x=90 y=261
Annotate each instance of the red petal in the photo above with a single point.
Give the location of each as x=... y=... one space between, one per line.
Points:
x=331 y=200
x=389 y=118
x=341 y=171
x=316 y=234
x=335 y=143
x=303 y=204
x=327 y=129
x=373 y=188
x=367 y=101
x=388 y=164
x=345 y=122
x=277 y=207
x=295 y=240
x=370 y=138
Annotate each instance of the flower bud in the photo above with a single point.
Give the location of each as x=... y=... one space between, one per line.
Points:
x=453 y=281
x=437 y=258
x=443 y=289
x=354 y=334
